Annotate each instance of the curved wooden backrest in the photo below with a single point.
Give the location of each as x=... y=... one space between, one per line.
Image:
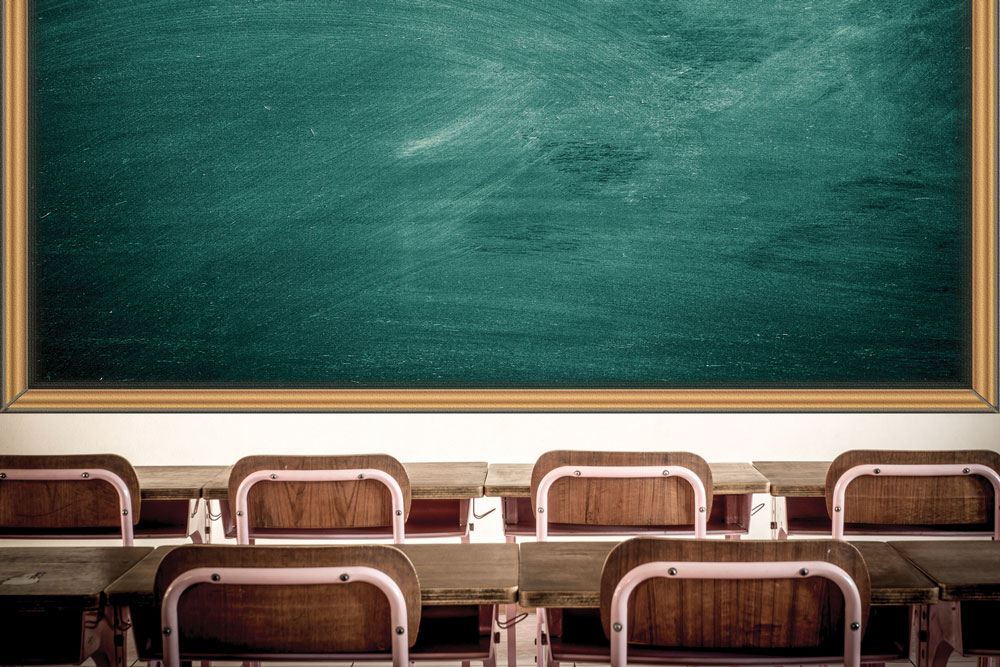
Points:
x=736 y=614
x=58 y=504
x=621 y=502
x=914 y=500
x=309 y=505
x=220 y=619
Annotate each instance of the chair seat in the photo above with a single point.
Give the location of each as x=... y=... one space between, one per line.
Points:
x=583 y=640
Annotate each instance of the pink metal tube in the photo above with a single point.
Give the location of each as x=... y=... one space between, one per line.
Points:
x=282 y=576
x=731 y=570
x=243 y=520
x=83 y=475
x=912 y=470
x=620 y=472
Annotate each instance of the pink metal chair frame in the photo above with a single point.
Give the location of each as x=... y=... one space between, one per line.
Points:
x=396 y=493
x=912 y=470
x=277 y=576
x=730 y=570
x=608 y=472
x=82 y=475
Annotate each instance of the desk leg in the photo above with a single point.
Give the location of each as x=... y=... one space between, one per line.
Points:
x=111 y=628
x=778 y=531
x=939 y=633
x=511 y=629
x=540 y=637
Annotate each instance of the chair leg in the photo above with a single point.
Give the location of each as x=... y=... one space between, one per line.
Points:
x=466 y=538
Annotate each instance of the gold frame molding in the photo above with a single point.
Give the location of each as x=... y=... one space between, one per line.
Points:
x=19 y=396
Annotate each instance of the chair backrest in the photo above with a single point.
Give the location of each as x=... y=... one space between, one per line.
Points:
x=358 y=503
x=305 y=619
x=904 y=500
x=797 y=613
x=657 y=501
x=67 y=492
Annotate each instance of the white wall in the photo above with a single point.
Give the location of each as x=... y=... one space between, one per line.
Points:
x=149 y=439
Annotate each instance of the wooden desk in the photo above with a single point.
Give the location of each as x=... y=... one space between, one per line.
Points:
x=513 y=480
x=568 y=574
x=175 y=482
x=449 y=574
x=967 y=573
x=428 y=481
x=732 y=487
x=801 y=479
x=52 y=603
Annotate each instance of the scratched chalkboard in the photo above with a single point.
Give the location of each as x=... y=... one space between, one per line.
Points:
x=527 y=193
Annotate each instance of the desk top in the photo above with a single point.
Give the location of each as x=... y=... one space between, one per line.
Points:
x=568 y=574
x=174 y=482
x=963 y=569
x=513 y=480
x=427 y=481
x=449 y=574
x=800 y=479
x=63 y=575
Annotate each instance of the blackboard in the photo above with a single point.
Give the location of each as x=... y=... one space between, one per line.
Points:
x=466 y=195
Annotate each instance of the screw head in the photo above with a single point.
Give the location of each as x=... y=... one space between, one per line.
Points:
x=804 y=571
x=878 y=471
x=541 y=510
x=966 y=471
x=3 y=475
x=855 y=626
x=400 y=629
x=666 y=473
x=617 y=627
x=85 y=475
x=672 y=571
x=124 y=512
x=345 y=577
x=576 y=472
x=216 y=577
x=399 y=512
x=273 y=476
x=239 y=513
x=701 y=509
x=837 y=508
x=166 y=631
x=361 y=476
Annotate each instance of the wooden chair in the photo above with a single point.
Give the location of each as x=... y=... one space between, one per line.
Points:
x=583 y=493
x=285 y=603
x=915 y=492
x=321 y=497
x=68 y=496
x=86 y=496
x=721 y=602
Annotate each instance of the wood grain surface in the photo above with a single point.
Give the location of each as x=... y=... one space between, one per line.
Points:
x=805 y=479
x=964 y=500
x=513 y=480
x=658 y=501
x=568 y=574
x=358 y=503
x=734 y=614
x=62 y=575
x=449 y=574
x=66 y=504
x=964 y=569
x=300 y=619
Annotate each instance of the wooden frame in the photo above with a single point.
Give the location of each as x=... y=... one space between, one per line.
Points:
x=19 y=396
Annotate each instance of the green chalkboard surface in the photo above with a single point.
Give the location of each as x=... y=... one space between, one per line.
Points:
x=527 y=193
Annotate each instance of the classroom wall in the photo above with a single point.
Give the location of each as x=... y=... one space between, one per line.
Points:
x=152 y=439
